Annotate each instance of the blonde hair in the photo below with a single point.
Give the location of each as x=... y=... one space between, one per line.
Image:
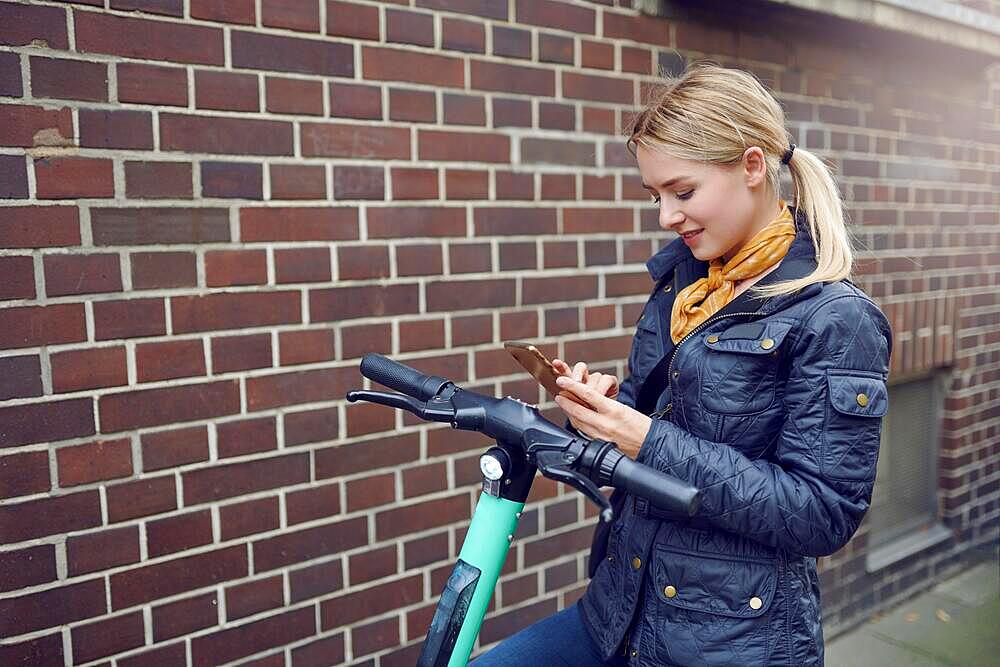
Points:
x=713 y=114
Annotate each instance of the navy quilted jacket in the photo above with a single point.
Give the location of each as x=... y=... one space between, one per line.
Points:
x=774 y=410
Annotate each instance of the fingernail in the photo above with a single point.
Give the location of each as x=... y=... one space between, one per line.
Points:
x=562 y=380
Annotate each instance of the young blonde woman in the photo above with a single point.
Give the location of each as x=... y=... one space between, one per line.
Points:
x=757 y=373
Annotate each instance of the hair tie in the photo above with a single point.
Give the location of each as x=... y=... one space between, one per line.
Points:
x=787 y=157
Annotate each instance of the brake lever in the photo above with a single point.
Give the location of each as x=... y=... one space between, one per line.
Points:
x=553 y=464
x=430 y=411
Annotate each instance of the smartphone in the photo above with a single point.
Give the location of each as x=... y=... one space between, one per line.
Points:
x=540 y=368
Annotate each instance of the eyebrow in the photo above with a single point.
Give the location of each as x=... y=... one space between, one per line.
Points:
x=667 y=184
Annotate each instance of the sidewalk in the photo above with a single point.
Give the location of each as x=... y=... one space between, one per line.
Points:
x=954 y=624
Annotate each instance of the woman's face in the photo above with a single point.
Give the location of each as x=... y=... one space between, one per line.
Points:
x=715 y=208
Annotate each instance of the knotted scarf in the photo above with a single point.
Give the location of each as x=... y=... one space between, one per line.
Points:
x=705 y=297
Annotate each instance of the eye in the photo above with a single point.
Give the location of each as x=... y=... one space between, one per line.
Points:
x=686 y=195
x=656 y=199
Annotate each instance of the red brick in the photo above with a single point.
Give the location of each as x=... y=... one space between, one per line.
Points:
x=350 y=182
x=69 y=79
x=143 y=497
x=471 y=330
x=511 y=112
x=150 y=40
x=169 y=359
x=170 y=654
x=153 y=407
x=246 y=436
x=20 y=274
x=42 y=325
x=237 y=642
x=232 y=180
x=369 y=602
x=414 y=183
x=247 y=518
x=185 y=616
x=179 y=575
x=24 y=474
x=355 y=141
x=515 y=186
x=416 y=221
x=417 y=106
x=549 y=14
x=342 y=303
x=421 y=335
x=463 y=146
x=216 y=134
x=27 y=567
x=313 y=503
x=20 y=25
x=253 y=597
x=395 y=522
x=108 y=636
x=178 y=533
x=129 y=318
x=291 y=14
x=316 y=580
x=386 y=64
x=375 y=636
x=467 y=184
x=13 y=169
x=469 y=294
x=357 y=340
x=276 y=53
x=347 y=19
x=157 y=270
x=419 y=260
x=325 y=651
x=239 y=353
x=225 y=268
x=639 y=28
x=504 y=78
x=227 y=11
x=306 y=347
x=49 y=516
x=462 y=35
x=124 y=128
x=309 y=543
x=52 y=607
x=235 y=310
x=514 y=221
x=408 y=27
x=81 y=274
x=297 y=181
x=294 y=96
x=470 y=258
x=311 y=426
x=364 y=456
x=365 y=418
x=235 y=479
x=158 y=180
x=73 y=178
x=226 y=91
x=28 y=126
x=149 y=84
x=298 y=223
x=511 y=42
x=94 y=462
x=362 y=261
x=355 y=101
x=301 y=265
x=165 y=7
x=276 y=390
x=102 y=550
x=42 y=422
x=176 y=447
x=147 y=226
x=373 y=564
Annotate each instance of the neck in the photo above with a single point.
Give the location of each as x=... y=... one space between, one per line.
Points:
x=768 y=214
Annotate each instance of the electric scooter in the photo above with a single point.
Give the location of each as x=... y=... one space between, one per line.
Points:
x=525 y=443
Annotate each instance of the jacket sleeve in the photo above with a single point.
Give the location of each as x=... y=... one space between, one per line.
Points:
x=808 y=496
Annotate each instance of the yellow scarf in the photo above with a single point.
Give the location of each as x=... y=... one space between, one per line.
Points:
x=705 y=297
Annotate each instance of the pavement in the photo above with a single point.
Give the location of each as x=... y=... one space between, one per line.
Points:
x=954 y=624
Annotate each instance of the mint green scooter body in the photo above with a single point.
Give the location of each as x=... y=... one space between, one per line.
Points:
x=486 y=545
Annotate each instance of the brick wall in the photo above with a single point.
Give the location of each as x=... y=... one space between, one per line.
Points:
x=212 y=209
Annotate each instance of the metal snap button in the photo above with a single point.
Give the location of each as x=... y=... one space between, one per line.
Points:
x=669 y=591
x=677 y=374
x=636 y=562
x=756 y=603
x=862 y=400
x=713 y=339
x=767 y=343
x=667 y=289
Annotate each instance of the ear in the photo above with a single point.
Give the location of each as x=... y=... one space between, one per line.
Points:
x=754 y=166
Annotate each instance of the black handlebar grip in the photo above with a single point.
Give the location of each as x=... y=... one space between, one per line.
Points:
x=400 y=377
x=658 y=488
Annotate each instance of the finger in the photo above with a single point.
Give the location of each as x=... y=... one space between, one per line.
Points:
x=607 y=385
x=588 y=394
x=580 y=372
x=561 y=367
x=580 y=416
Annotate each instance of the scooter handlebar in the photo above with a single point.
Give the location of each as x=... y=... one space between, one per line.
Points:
x=658 y=488
x=400 y=377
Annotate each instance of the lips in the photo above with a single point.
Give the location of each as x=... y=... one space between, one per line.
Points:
x=690 y=235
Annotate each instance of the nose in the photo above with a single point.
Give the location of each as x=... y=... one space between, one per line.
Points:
x=669 y=217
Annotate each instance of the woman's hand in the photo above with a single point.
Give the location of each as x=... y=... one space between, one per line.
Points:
x=609 y=420
x=605 y=383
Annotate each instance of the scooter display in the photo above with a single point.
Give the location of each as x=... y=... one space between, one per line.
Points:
x=525 y=442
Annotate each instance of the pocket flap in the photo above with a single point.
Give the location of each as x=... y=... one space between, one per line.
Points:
x=714 y=584
x=857 y=393
x=749 y=337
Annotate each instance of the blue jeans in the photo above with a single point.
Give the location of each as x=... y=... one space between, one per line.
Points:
x=558 y=641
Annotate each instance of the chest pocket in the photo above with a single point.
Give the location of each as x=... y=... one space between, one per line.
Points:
x=739 y=373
